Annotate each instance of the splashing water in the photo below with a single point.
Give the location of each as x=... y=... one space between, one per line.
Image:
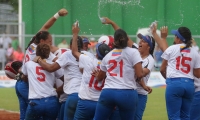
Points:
x=119 y=2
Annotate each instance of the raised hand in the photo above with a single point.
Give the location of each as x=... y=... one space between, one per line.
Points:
x=106 y=20
x=75 y=28
x=62 y=12
x=164 y=32
x=153 y=27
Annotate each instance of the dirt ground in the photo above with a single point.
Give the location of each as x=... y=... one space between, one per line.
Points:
x=6 y=115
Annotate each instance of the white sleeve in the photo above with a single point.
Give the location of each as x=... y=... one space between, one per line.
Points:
x=24 y=70
x=103 y=65
x=59 y=73
x=136 y=45
x=136 y=59
x=58 y=83
x=63 y=60
x=166 y=54
x=88 y=54
x=151 y=64
x=51 y=56
x=83 y=60
x=197 y=61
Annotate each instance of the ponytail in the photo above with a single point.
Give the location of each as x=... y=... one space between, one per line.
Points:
x=185 y=32
x=31 y=41
x=153 y=46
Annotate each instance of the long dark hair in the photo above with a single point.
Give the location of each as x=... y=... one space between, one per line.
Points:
x=40 y=35
x=79 y=43
x=120 y=39
x=186 y=33
x=153 y=46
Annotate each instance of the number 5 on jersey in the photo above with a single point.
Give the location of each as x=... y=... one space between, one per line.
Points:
x=40 y=76
x=115 y=65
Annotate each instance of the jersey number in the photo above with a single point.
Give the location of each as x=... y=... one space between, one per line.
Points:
x=96 y=87
x=41 y=76
x=182 y=61
x=114 y=65
x=27 y=58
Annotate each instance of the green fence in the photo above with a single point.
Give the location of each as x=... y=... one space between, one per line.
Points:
x=128 y=14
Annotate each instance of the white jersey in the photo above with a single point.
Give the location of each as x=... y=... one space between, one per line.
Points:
x=63 y=96
x=40 y=81
x=119 y=67
x=60 y=51
x=197 y=84
x=31 y=54
x=59 y=82
x=72 y=74
x=88 y=54
x=181 y=64
x=90 y=88
x=148 y=63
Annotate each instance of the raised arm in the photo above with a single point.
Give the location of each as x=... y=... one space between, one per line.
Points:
x=51 y=21
x=116 y=27
x=75 y=31
x=161 y=41
x=109 y=21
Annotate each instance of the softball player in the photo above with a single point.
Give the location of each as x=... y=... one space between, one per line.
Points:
x=90 y=88
x=59 y=83
x=21 y=85
x=120 y=70
x=195 y=108
x=72 y=78
x=146 y=48
x=179 y=60
x=42 y=95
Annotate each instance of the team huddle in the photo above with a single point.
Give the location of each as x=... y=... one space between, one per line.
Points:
x=74 y=84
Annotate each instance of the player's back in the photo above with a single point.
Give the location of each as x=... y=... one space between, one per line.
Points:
x=119 y=65
x=72 y=74
x=180 y=62
x=41 y=82
x=90 y=88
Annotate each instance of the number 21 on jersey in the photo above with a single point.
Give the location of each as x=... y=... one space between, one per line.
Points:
x=115 y=64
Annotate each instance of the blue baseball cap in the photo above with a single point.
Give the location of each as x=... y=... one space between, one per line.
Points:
x=85 y=40
x=102 y=49
x=147 y=39
x=175 y=32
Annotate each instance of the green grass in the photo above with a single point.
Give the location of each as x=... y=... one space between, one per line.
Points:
x=8 y=99
x=155 y=109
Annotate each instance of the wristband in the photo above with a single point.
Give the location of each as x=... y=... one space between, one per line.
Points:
x=56 y=16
